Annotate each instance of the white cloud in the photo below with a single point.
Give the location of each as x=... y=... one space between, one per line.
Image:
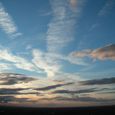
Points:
x=46 y=63
x=50 y=62
x=17 y=61
x=68 y=58
x=4 y=66
x=61 y=27
x=59 y=34
x=7 y=23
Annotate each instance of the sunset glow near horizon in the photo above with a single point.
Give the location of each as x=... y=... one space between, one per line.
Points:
x=57 y=53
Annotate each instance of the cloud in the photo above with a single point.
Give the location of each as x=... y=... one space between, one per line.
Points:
x=44 y=13
x=107 y=7
x=99 y=81
x=9 y=99
x=94 y=26
x=61 y=28
x=53 y=86
x=4 y=66
x=17 y=91
x=60 y=32
x=50 y=62
x=6 y=91
x=7 y=23
x=17 y=61
x=76 y=92
x=86 y=99
x=103 y=53
x=103 y=101
x=11 y=78
x=44 y=62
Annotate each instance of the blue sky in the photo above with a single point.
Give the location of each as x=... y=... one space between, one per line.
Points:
x=54 y=38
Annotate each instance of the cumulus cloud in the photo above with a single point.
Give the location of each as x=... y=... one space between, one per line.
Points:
x=103 y=53
x=99 y=81
x=7 y=23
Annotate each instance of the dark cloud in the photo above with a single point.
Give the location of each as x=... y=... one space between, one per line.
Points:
x=6 y=91
x=12 y=78
x=85 y=99
x=84 y=91
x=103 y=53
x=81 y=99
x=8 y=99
x=78 y=91
x=53 y=86
x=99 y=81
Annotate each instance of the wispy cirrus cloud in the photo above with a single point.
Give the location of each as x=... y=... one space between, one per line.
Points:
x=41 y=62
x=7 y=23
x=17 y=61
x=60 y=33
x=50 y=62
x=45 y=63
x=103 y=53
x=4 y=66
x=61 y=28
x=107 y=7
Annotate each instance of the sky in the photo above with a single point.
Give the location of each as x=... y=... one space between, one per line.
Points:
x=57 y=52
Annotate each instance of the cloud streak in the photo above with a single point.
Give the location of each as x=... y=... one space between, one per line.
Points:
x=9 y=99
x=86 y=99
x=11 y=79
x=99 y=81
x=103 y=53
x=76 y=92
x=50 y=62
x=53 y=86
x=17 y=61
x=45 y=62
x=7 y=23
x=60 y=32
x=61 y=28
